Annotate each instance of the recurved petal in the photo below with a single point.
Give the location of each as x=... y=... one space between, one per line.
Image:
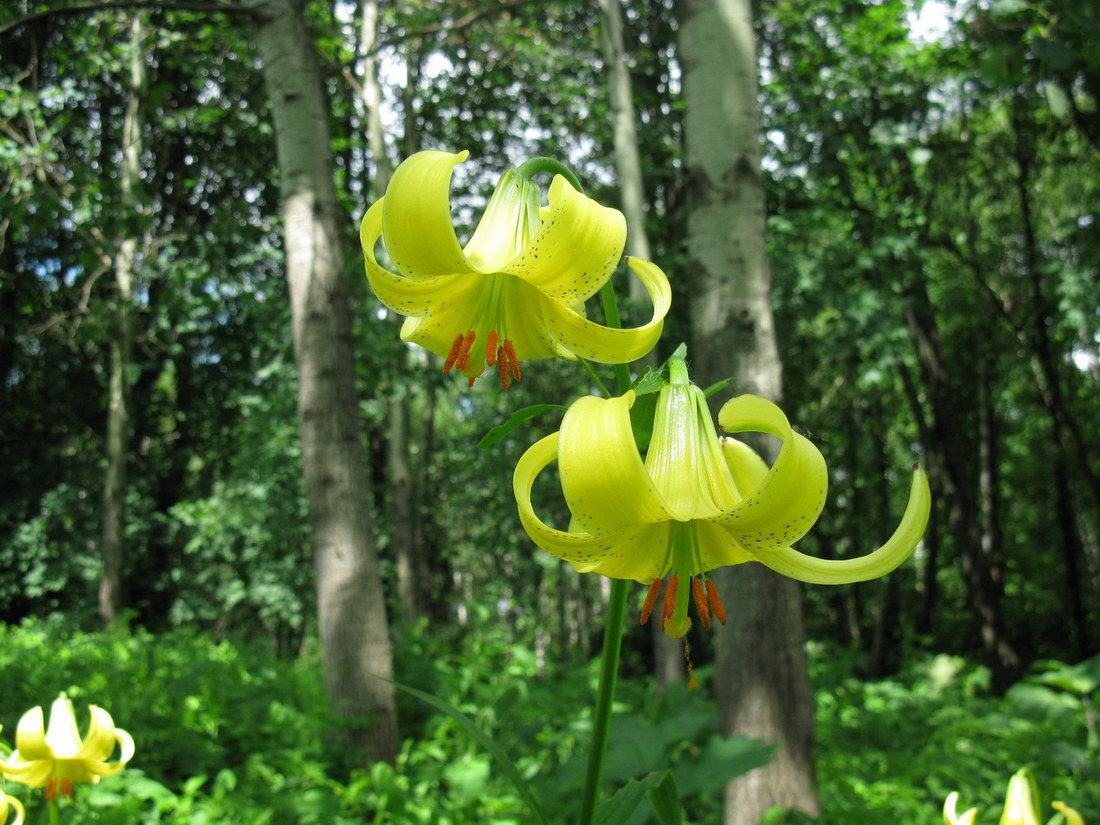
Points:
x=782 y=506
x=583 y=550
x=100 y=739
x=30 y=736
x=5 y=802
x=576 y=249
x=34 y=774
x=950 y=812
x=638 y=553
x=604 y=481
x=1072 y=817
x=897 y=549
x=408 y=296
x=416 y=217
x=576 y=334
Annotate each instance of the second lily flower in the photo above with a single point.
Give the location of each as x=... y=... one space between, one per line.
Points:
x=696 y=502
x=516 y=291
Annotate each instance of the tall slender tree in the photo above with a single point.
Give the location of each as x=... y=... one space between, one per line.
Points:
x=762 y=676
x=121 y=346
x=354 y=632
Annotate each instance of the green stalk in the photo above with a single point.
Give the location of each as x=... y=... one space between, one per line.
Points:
x=613 y=630
x=536 y=165
x=605 y=697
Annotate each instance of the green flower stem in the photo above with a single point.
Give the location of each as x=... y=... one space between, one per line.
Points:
x=54 y=812
x=613 y=629
x=537 y=165
x=611 y=315
x=605 y=697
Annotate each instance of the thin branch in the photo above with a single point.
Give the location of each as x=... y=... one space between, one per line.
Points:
x=171 y=5
x=459 y=23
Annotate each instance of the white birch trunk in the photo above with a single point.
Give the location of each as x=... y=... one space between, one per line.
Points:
x=761 y=676
x=113 y=537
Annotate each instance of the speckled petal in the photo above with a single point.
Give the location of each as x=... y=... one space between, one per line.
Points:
x=638 y=554
x=408 y=296
x=577 y=248
x=577 y=335
x=416 y=217
x=583 y=550
x=783 y=506
x=604 y=481
x=896 y=550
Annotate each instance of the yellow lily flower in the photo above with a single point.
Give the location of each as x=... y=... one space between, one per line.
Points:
x=1021 y=806
x=695 y=503
x=56 y=757
x=516 y=291
x=10 y=801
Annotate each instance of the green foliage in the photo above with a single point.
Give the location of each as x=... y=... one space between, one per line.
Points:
x=891 y=751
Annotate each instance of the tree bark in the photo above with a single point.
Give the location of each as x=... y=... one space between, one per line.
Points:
x=762 y=675
x=121 y=348
x=949 y=451
x=355 y=640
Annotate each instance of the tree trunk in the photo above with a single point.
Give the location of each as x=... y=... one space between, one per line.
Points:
x=949 y=451
x=762 y=676
x=628 y=163
x=667 y=653
x=351 y=606
x=118 y=409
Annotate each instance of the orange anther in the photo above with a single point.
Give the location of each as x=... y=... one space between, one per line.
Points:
x=700 y=602
x=58 y=787
x=513 y=362
x=650 y=600
x=715 y=602
x=464 y=354
x=669 y=606
x=452 y=356
x=491 y=348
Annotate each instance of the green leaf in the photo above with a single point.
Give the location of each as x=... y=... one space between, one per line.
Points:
x=498 y=433
x=665 y=800
x=491 y=747
x=617 y=810
x=717 y=386
x=721 y=761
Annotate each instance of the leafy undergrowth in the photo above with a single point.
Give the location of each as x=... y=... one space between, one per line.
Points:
x=231 y=734
x=890 y=751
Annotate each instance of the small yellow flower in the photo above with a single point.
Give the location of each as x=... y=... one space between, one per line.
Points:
x=516 y=291
x=1021 y=806
x=695 y=503
x=56 y=757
